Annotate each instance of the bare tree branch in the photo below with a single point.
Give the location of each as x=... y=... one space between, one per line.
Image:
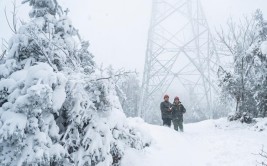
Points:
x=13 y=27
x=241 y=35
x=263 y=154
x=117 y=75
x=4 y=44
x=8 y=22
x=3 y=54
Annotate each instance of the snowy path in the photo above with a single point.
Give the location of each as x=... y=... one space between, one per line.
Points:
x=209 y=143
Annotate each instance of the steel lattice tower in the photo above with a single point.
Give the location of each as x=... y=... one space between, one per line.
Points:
x=180 y=54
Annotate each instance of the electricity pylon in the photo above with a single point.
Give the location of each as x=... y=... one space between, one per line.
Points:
x=180 y=54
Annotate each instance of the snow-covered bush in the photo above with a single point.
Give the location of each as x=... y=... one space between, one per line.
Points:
x=53 y=109
x=244 y=117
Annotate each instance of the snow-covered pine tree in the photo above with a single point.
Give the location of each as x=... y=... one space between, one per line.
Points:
x=258 y=73
x=247 y=83
x=53 y=109
x=129 y=89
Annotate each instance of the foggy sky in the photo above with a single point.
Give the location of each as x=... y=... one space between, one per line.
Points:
x=117 y=29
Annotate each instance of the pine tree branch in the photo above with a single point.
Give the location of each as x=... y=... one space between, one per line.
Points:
x=49 y=41
x=41 y=52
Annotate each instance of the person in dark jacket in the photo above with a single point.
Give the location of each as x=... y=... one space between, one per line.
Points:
x=177 y=114
x=166 y=114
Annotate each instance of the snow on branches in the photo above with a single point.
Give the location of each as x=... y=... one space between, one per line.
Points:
x=54 y=108
x=246 y=84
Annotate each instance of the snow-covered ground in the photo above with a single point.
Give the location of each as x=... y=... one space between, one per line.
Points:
x=209 y=143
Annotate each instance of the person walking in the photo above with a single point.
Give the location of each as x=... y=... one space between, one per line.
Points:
x=177 y=114
x=166 y=114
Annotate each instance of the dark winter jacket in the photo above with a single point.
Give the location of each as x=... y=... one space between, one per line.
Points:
x=164 y=107
x=177 y=111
